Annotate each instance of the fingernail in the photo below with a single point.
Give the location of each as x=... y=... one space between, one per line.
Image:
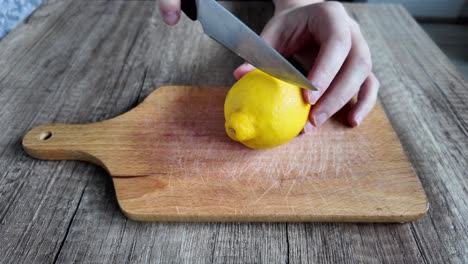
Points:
x=171 y=17
x=312 y=97
x=319 y=119
x=308 y=127
x=248 y=66
x=358 y=120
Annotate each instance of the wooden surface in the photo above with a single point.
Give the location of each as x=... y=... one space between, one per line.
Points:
x=87 y=61
x=171 y=160
x=453 y=40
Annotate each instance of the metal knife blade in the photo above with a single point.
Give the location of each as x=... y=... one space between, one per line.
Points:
x=225 y=28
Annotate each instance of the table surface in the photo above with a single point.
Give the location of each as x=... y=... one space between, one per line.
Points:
x=86 y=61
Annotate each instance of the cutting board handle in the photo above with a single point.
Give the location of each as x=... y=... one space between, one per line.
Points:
x=62 y=142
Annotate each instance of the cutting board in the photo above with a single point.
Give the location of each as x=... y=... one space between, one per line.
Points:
x=171 y=160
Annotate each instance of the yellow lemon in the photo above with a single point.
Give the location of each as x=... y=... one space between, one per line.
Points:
x=264 y=112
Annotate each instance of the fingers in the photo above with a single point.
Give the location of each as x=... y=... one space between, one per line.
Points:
x=170 y=11
x=342 y=66
x=348 y=81
x=366 y=100
x=307 y=128
x=242 y=70
x=334 y=36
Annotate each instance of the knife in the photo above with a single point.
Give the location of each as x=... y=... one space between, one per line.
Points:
x=225 y=28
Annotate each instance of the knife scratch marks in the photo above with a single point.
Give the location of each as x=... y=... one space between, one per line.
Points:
x=285 y=176
x=301 y=172
x=203 y=179
x=324 y=157
x=311 y=205
x=335 y=165
x=322 y=198
x=171 y=186
x=292 y=186
x=349 y=181
x=264 y=193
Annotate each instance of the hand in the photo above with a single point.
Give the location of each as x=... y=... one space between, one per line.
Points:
x=170 y=11
x=325 y=40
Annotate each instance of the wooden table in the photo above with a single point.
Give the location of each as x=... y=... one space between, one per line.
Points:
x=85 y=61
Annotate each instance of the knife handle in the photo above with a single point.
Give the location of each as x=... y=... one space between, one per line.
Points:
x=189 y=7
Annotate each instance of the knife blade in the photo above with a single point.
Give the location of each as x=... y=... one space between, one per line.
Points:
x=229 y=31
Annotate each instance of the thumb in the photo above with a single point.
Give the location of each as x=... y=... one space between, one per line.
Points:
x=170 y=11
x=242 y=70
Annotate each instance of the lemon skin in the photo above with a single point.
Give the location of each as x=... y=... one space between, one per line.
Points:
x=264 y=112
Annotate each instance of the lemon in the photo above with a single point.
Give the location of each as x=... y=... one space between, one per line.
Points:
x=264 y=112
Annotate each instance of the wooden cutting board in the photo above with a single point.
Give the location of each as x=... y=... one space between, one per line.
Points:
x=170 y=160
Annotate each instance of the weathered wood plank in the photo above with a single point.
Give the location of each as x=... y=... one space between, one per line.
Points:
x=52 y=72
x=87 y=61
x=453 y=40
x=426 y=99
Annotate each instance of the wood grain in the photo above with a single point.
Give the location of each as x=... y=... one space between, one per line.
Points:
x=87 y=61
x=453 y=40
x=171 y=160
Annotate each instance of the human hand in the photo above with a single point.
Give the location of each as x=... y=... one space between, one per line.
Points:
x=170 y=11
x=325 y=40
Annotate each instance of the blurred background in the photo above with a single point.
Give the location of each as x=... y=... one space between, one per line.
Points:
x=446 y=21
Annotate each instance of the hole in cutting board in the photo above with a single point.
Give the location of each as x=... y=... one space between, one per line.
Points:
x=45 y=135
